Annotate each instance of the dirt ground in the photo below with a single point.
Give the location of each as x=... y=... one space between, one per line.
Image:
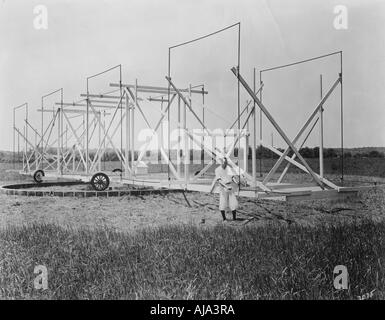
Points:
x=132 y=213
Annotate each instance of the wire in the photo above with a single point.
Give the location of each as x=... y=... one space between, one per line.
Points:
x=194 y=40
x=105 y=71
x=205 y=36
x=297 y=63
x=301 y=61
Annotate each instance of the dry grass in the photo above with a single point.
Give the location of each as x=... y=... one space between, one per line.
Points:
x=184 y=262
x=155 y=248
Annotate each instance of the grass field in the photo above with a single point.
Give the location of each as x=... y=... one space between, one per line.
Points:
x=269 y=262
x=100 y=249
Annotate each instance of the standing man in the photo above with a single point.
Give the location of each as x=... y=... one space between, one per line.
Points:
x=227 y=198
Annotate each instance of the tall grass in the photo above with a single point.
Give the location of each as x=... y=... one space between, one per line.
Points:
x=186 y=262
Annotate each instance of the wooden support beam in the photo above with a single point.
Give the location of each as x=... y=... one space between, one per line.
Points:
x=280 y=131
x=157 y=99
x=101 y=96
x=156 y=89
x=78 y=111
x=66 y=104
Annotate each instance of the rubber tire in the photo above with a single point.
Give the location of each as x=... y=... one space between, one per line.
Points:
x=100 y=175
x=37 y=176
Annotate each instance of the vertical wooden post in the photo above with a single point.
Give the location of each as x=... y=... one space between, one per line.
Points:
x=73 y=159
x=83 y=135
x=23 y=152
x=161 y=137
x=260 y=126
x=246 y=151
x=36 y=153
x=178 y=157
x=203 y=132
x=127 y=131
x=191 y=161
x=66 y=137
x=342 y=119
x=14 y=140
x=104 y=140
x=42 y=134
x=99 y=139
x=254 y=149
x=186 y=156
x=58 y=141
x=321 y=146
x=61 y=131
x=18 y=148
x=132 y=126
x=26 y=135
x=87 y=129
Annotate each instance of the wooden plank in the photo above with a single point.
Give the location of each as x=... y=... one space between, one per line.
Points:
x=156 y=89
x=83 y=105
x=278 y=128
x=324 y=194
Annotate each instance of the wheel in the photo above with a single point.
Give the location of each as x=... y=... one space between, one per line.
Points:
x=38 y=176
x=117 y=170
x=100 y=181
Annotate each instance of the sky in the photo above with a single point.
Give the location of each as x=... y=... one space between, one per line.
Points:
x=85 y=37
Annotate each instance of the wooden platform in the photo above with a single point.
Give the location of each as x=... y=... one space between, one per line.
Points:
x=280 y=191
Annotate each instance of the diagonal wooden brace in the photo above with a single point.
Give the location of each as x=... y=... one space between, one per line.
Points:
x=280 y=131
